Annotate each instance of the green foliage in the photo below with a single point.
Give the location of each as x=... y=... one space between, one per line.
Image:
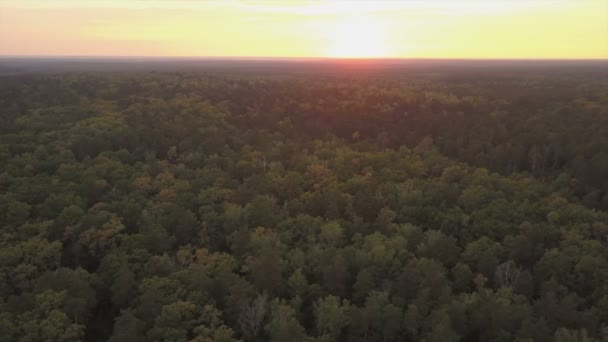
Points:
x=283 y=325
x=241 y=206
x=332 y=315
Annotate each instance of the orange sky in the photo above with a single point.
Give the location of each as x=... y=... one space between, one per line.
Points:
x=357 y=28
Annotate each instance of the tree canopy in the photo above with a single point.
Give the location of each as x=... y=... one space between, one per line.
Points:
x=422 y=206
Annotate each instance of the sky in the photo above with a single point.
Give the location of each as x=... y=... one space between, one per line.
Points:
x=572 y=29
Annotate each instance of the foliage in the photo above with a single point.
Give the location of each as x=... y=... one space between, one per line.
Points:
x=223 y=207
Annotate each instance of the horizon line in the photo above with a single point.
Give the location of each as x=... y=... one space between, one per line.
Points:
x=312 y=58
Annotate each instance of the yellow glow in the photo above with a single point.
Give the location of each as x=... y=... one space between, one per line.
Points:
x=358 y=37
x=307 y=28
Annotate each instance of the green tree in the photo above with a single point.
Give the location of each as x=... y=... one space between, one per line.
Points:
x=332 y=316
x=283 y=326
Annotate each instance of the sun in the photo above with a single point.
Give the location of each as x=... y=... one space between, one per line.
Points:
x=358 y=37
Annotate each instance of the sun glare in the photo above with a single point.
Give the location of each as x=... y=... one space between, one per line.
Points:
x=358 y=37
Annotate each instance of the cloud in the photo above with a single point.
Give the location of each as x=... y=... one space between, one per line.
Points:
x=448 y=7
x=114 y=4
x=302 y=7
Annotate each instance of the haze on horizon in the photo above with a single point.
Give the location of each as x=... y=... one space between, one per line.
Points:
x=543 y=29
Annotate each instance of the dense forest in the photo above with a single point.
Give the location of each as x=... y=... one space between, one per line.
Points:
x=330 y=204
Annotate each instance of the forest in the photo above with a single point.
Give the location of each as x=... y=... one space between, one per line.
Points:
x=305 y=202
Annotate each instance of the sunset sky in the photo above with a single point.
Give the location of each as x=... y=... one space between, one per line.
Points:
x=407 y=29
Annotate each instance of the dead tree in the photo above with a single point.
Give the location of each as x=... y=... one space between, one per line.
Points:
x=507 y=274
x=253 y=314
